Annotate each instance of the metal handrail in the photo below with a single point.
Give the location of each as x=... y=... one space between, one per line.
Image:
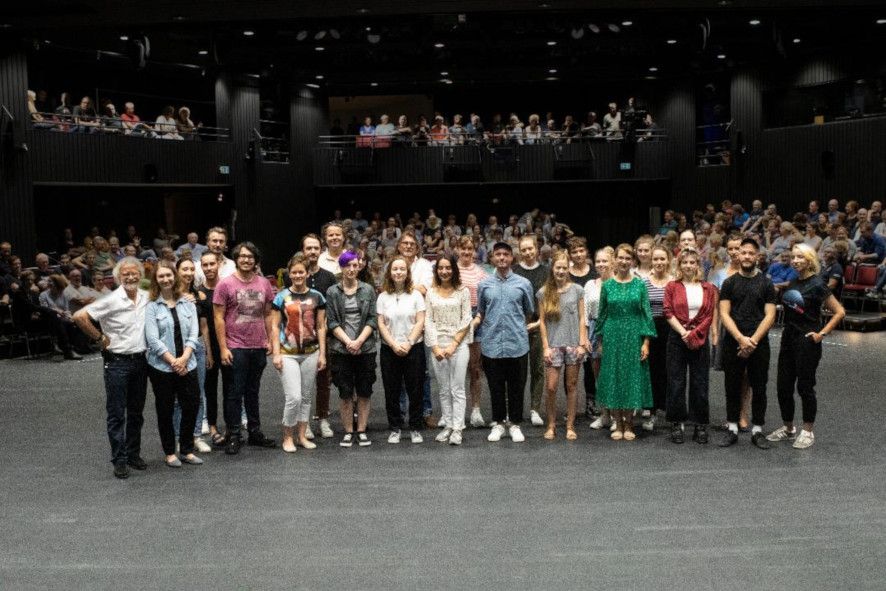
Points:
x=459 y=138
x=65 y=121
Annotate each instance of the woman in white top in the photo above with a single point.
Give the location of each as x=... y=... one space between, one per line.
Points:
x=564 y=335
x=401 y=321
x=448 y=334
x=603 y=260
x=643 y=249
x=166 y=125
x=471 y=274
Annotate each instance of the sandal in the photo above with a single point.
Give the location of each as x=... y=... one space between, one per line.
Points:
x=571 y=435
x=218 y=439
x=616 y=435
x=629 y=435
x=550 y=434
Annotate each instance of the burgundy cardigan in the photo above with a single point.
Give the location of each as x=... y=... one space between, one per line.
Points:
x=676 y=306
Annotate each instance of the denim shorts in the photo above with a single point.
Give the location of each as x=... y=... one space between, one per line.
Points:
x=565 y=356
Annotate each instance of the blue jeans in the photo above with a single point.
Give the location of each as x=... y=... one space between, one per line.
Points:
x=200 y=356
x=126 y=386
x=246 y=375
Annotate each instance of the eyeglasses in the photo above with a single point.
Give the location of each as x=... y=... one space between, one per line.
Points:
x=246 y=257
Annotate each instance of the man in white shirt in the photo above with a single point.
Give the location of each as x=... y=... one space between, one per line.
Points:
x=121 y=316
x=217 y=242
x=77 y=294
x=334 y=235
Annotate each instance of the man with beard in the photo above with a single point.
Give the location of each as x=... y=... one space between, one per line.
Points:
x=321 y=280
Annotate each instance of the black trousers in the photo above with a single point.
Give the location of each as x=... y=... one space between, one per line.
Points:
x=399 y=372
x=757 y=367
x=681 y=358
x=169 y=387
x=797 y=363
x=506 y=385
x=245 y=383
x=210 y=387
x=658 y=364
x=590 y=383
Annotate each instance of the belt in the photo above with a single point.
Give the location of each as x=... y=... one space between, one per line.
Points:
x=111 y=356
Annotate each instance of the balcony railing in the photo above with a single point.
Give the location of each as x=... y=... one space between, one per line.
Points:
x=68 y=123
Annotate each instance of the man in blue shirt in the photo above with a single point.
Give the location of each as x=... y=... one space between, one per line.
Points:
x=781 y=272
x=505 y=306
x=871 y=247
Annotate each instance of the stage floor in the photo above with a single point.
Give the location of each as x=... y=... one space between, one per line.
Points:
x=538 y=515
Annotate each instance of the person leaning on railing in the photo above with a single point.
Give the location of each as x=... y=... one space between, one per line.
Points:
x=132 y=124
x=111 y=121
x=166 y=125
x=85 y=117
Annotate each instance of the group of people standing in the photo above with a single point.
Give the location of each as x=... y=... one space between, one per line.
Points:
x=641 y=321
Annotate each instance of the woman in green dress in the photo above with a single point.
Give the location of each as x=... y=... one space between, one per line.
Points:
x=624 y=321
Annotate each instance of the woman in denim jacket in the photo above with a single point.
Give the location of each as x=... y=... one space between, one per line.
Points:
x=351 y=322
x=171 y=332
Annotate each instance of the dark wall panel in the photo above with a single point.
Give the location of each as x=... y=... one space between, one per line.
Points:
x=16 y=206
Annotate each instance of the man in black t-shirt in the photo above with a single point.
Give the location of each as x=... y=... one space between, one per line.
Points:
x=321 y=280
x=537 y=274
x=747 y=309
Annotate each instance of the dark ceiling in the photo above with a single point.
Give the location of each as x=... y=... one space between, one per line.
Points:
x=349 y=44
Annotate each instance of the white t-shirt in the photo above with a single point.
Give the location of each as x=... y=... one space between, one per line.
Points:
x=399 y=311
x=122 y=320
x=330 y=263
x=694 y=298
x=422 y=272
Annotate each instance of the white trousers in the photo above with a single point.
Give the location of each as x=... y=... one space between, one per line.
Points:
x=299 y=377
x=450 y=375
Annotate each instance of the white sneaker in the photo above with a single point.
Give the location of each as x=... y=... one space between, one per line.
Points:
x=394 y=437
x=244 y=423
x=416 y=437
x=204 y=428
x=455 y=438
x=442 y=423
x=477 y=418
x=309 y=435
x=535 y=419
x=613 y=426
x=600 y=422
x=648 y=424
x=443 y=436
x=201 y=446
x=782 y=434
x=516 y=434
x=804 y=440
x=325 y=429
x=496 y=433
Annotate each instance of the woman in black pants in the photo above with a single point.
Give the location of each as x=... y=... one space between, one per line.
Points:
x=209 y=264
x=690 y=306
x=171 y=332
x=655 y=287
x=801 y=344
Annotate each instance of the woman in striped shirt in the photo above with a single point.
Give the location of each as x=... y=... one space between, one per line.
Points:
x=471 y=275
x=658 y=278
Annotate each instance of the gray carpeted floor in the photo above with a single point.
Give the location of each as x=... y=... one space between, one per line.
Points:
x=539 y=515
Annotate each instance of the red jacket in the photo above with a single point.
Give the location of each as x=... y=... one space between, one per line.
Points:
x=676 y=306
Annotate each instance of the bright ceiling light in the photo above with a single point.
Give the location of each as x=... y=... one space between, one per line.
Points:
x=627 y=23
x=754 y=22
x=248 y=33
x=672 y=41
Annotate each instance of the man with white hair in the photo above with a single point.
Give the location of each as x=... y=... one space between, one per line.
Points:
x=121 y=316
x=193 y=244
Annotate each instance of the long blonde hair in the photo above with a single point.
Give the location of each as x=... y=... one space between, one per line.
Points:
x=550 y=302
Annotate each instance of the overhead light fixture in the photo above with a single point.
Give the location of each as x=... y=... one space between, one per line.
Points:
x=578 y=33
x=368 y=29
x=203 y=52
x=881 y=21
x=653 y=69
x=124 y=37
x=319 y=35
x=319 y=48
x=312 y=85
x=178 y=17
x=672 y=41
x=253 y=75
x=552 y=71
x=613 y=27
x=551 y=43
x=248 y=33
x=754 y=22
x=650 y=78
x=373 y=38
x=373 y=84
x=594 y=28
x=551 y=78
x=544 y=5
x=362 y=11
x=627 y=23
x=444 y=73
x=439 y=45
x=446 y=81
x=301 y=35
x=47 y=42
x=319 y=76
x=797 y=40
x=721 y=56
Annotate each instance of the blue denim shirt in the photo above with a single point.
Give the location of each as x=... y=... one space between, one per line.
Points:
x=160 y=331
x=504 y=304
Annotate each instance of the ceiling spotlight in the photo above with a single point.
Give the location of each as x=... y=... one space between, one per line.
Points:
x=544 y=5
x=627 y=23
x=672 y=41
x=368 y=29
x=373 y=84
x=797 y=40
x=754 y=22
x=446 y=81
x=319 y=76
x=439 y=45
x=253 y=75
x=319 y=35
x=594 y=28
x=551 y=78
x=312 y=85
x=552 y=71
x=202 y=52
x=178 y=17
x=444 y=74
x=124 y=37
x=551 y=43
x=650 y=78
x=613 y=27
x=578 y=33
x=373 y=38
x=721 y=56
x=248 y=33
x=47 y=42
x=362 y=11
x=319 y=48
x=302 y=35
x=334 y=34
x=881 y=21
x=653 y=69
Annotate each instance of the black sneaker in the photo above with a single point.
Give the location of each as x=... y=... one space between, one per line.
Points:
x=729 y=438
x=701 y=434
x=676 y=433
x=759 y=440
x=137 y=463
x=363 y=440
x=258 y=439
x=121 y=470
x=347 y=440
x=232 y=448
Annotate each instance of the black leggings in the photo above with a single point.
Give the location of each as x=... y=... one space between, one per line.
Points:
x=210 y=387
x=797 y=363
x=168 y=387
x=658 y=364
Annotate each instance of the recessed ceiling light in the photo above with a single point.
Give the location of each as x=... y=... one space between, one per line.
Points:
x=301 y=35
x=319 y=35
x=178 y=17
x=319 y=76
x=47 y=42
x=444 y=73
x=248 y=33
x=627 y=23
x=551 y=43
x=362 y=11
x=881 y=21
x=650 y=78
x=552 y=71
x=613 y=27
x=253 y=75
x=551 y=78
x=373 y=84
x=368 y=29
x=593 y=28
x=319 y=48
x=373 y=38
x=797 y=40
x=334 y=34
x=721 y=56
x=544 y=5
x=653 y=69
x=312 y=85
x=672 y=41
x=754 y=22
x=439 y=45
x=202 y=52
x=124 y=37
